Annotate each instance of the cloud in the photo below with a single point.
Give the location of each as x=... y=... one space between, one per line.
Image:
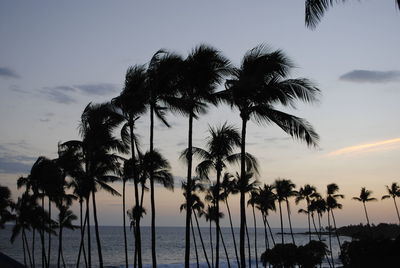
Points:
x=97 y=89
x=8 y=73
x=275 y=139
x=366 y=76
x=67 y=94
x=369 y=147
x=12 y=161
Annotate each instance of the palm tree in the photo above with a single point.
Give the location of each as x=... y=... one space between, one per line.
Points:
x=98 y=122
x=307 y=192
x=201 y=72
x=254 y=89
x=365 y=196
x=315 y=9
x=266 y=203
x=229 y=186
x=284 y=190
x=220 y=146
x=162 y=76
x=393 y=192
x=65 y=219
x=131 y=103
x=197 y=205
x=332 y=204
x=253 y=200
x=6 y=205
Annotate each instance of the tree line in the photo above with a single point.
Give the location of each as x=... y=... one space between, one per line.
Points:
x=184 y=86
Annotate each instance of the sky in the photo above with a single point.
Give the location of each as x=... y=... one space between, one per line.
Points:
x=56 y=57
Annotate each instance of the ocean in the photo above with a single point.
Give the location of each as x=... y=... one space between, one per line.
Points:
x=170 y=246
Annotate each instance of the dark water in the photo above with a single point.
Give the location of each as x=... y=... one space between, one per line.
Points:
x=170 y=246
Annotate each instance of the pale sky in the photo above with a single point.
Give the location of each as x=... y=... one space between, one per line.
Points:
x=55 y=57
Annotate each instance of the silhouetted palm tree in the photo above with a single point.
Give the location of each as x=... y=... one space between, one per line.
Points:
x=364 y=197
x=6 y=205
x=332 y=204
x=98 y=121
x=255 y=89
x=315 y=9
x=266 y=203
x=132 y=103
x=284 y=190
x=307 y=192
x=393 y=192
x=201 y=72
x=162 y=76
x=229 y=186
x=220 y=146
x=253 y=200
x=197 y=206
x=65 y=219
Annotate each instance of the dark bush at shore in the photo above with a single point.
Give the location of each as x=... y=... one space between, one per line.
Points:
x=289 y=255
x=370 y=252
x=382 y=230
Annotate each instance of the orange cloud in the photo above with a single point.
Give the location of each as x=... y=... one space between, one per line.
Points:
x=369 y=147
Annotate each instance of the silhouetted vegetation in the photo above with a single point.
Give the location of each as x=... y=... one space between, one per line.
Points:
x=382 y=230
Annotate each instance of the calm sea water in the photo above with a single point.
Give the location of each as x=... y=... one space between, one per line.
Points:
x=170 y=246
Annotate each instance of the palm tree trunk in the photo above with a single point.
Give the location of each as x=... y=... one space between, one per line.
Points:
x=201 y=239
x=212 y=247
x=309 y=221
x=280 y=215
x=217 y=229
x=255 y=236
x=96 y=229
x=366 y=213
x=226 y=252
x=195 y=245
x=330 y=239
x=290 y=222
x=242 y=194
x=320 y=240
x=59 y=247
x=82 y=243
x=124 y=220
x=33 y=247
x=49 y=245
x=27 y=246
x=270 y=230
x=233 y=233
x=88 y=233
x=319 y=223
x=188 y=192
x=336 y=233
x=138 y=243
x=265 y=231
x=23 y=247
x=248 y=244
x=397 y=210
x=44 y=259
x=152 y=199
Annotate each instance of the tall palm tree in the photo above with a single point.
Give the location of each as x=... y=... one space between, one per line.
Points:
x=307 y=192
x=255 y=89
x=220 y=146
x=315 y=9
x=132 y=104
x=284 y=190
x=96 y=151
x=393 y=192
x=201 y=72
x=364 y=197
x=162 y=76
